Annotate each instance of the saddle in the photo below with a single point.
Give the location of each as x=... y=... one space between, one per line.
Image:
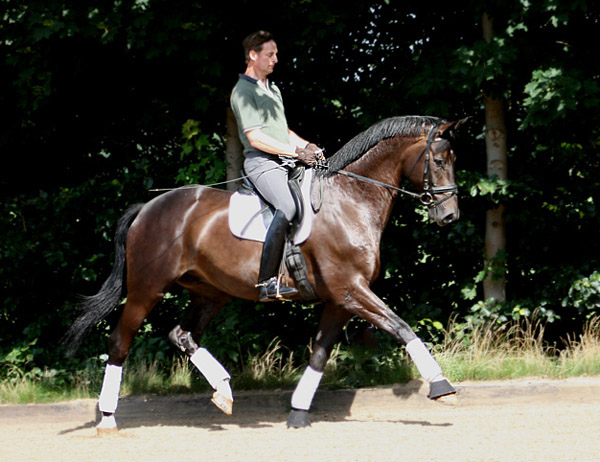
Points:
x=250 y=216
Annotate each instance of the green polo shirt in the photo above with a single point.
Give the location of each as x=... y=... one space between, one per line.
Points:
x=254 y=108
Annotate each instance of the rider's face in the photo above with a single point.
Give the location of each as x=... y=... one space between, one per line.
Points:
x=264 y=61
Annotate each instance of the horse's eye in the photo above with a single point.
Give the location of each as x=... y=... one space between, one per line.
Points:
x=439 y=163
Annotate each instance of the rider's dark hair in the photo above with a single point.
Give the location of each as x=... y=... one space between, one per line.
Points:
x=255 y=42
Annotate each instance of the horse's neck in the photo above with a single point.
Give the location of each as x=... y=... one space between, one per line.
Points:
x=383 y=163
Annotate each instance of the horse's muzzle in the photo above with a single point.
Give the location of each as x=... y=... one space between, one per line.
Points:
x=449 y=218
x=446 y=212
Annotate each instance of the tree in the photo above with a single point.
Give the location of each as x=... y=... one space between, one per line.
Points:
x=233 y=152
x=494 y=284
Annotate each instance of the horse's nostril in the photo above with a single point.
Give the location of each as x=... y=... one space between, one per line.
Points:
x=449 y=218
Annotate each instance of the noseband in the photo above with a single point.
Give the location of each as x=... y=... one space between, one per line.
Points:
x=426 y=196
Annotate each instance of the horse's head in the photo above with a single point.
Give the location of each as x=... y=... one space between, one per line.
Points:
x=427 y=161
x=436 y=159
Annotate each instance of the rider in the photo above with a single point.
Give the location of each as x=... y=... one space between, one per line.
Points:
x=271 y=150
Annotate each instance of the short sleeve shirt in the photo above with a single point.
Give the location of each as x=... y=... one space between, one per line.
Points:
x=254 y=107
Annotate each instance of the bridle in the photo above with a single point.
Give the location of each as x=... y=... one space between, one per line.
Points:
x=429 y=188
x=426 y=196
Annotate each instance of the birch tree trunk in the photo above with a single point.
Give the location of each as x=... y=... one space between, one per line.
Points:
x=233 y=151
x=494 y=285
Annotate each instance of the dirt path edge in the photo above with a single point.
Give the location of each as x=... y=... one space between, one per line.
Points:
x=339 y=402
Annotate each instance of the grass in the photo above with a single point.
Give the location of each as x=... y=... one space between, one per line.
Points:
x=275 y=368
x=479 y=353
x=518 y=350
x=48 y=390
x=582 y=355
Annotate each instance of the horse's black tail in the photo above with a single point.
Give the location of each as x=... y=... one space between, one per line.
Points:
x=98 y=306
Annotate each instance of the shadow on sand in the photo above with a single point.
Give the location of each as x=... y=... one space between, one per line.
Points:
x=260 y=409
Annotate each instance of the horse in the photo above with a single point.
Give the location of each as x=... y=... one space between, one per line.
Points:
x=181 y=237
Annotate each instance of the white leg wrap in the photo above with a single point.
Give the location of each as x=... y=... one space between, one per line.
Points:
x=107 y=422
x=428 y=367
x=214 y=372
x=111 y=385
x=225 y=389
x=306 y=389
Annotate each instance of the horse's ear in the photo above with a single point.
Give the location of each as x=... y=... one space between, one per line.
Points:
x=448 y=130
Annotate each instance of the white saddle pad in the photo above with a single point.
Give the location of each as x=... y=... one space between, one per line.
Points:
x=246 y=217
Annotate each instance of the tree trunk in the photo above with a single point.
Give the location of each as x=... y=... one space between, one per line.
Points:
x=233 y=152
x=494 y=285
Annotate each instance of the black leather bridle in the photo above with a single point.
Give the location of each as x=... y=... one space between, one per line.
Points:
x=426 y=196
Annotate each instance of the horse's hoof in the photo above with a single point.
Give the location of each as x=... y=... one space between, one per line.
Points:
x=440 y=389
x=298 y=419
x=223 y=403
x=107 y=425
x=449 y=400
x=104 y=431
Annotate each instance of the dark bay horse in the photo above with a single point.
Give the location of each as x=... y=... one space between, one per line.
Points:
x=182 y=237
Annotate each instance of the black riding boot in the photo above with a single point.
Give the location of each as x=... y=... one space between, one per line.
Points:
x=271 y=259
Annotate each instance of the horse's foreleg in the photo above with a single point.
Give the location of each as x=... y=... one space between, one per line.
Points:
x=332 y=322
x=367 y=305
x=204 y=308
x=430 y=370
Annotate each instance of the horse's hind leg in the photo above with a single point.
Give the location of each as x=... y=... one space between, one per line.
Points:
x=331 y=324
x=206 y=302
x=134 y=313
x=205 y=305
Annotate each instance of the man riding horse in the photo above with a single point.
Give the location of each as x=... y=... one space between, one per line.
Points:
x=271 y=149
x=182 y=238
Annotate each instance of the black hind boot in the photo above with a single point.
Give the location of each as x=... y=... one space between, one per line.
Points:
x=271 y=259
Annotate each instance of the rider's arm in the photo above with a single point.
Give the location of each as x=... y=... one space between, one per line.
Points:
x=260 y=140
x=296 y=140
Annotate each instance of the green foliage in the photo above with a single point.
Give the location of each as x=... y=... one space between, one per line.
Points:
x=202 y=156
x=584 y=295
x=491 y=312
x=482 y=64
x=355 y=366
x=496 y=189
x=554 y=93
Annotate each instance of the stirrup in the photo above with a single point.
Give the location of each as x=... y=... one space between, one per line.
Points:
x=272 y=289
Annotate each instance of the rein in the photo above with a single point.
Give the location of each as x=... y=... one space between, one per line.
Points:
x=426 y=197
x=194 y=186
x=429 y=191
x=379 y=183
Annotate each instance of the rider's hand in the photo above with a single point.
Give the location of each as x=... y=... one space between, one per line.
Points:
x=307 y=156
x=316 y=149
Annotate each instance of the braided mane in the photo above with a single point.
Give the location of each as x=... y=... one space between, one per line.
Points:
x=388 y=128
